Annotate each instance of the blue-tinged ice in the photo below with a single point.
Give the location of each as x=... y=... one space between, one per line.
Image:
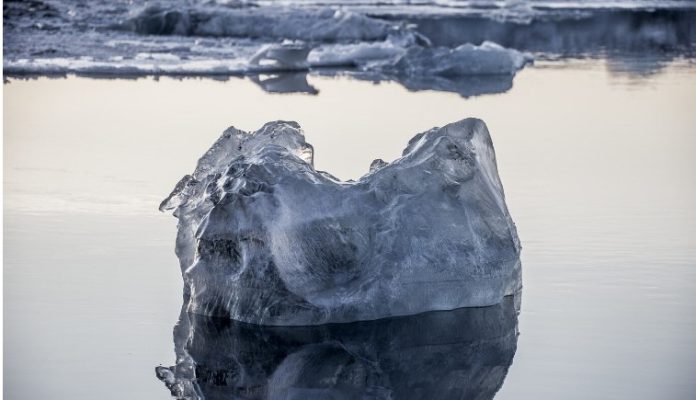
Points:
x=431 y=45
x=265 y=238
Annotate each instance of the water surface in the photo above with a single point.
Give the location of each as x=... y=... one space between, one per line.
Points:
x=596 y=160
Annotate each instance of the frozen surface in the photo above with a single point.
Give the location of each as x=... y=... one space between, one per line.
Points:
x=265 y=238
x=321 y=25
x=364 y=39
x=206 y=38
x=464 y=354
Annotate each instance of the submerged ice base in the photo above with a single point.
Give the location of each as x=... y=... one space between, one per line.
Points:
x=265 y=238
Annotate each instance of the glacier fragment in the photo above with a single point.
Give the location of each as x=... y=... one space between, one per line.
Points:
x=265 y=238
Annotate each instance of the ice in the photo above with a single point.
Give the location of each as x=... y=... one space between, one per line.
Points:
x=271 y=22
x=375 y=40
x=460 y=354
x=265 y=238
x=574 y=33
x=408 y=56
x=410 y=60
x=135 y=66
x=366 y=55
x=291 y=56
x=487 y=59
x=405 y=57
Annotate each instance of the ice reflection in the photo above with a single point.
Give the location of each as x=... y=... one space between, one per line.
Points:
x=459 y=354
x=291 y=82
x=465 y=86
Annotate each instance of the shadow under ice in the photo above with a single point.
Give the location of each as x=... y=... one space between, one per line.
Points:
x=459 y=354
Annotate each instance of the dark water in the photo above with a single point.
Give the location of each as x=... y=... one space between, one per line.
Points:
x=596 y=160
x=463 y=353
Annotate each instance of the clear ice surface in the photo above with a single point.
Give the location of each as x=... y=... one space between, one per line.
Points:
x=265 y=238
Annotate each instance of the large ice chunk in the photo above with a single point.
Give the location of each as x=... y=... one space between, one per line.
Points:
x=265 y=238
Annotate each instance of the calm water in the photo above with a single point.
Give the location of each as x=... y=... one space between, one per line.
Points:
x=597 y=161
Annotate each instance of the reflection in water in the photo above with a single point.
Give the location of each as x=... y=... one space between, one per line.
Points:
x=459 y=354
x=466 y=86
x=296 y=82
x=289 y=82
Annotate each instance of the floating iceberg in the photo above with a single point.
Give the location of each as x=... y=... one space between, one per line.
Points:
x=487 y=59
x=265 y=238
x=410 y=55
x=460 y=354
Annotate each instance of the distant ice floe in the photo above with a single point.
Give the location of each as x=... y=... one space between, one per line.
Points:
x=403 y=57
x=487 y=59
x=310 y=39
x=436 y=45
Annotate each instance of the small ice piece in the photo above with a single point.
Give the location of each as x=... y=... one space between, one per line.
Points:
x=284 y=56
x=265 y=238
x=487 y=59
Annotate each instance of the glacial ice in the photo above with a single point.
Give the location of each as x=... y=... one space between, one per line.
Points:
x=487 y=59
x=459 y=354
x=409 y=54
x=104 y=37
x=324 y=24
x=401 y=58
x=265 y=238
x=287 y=56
